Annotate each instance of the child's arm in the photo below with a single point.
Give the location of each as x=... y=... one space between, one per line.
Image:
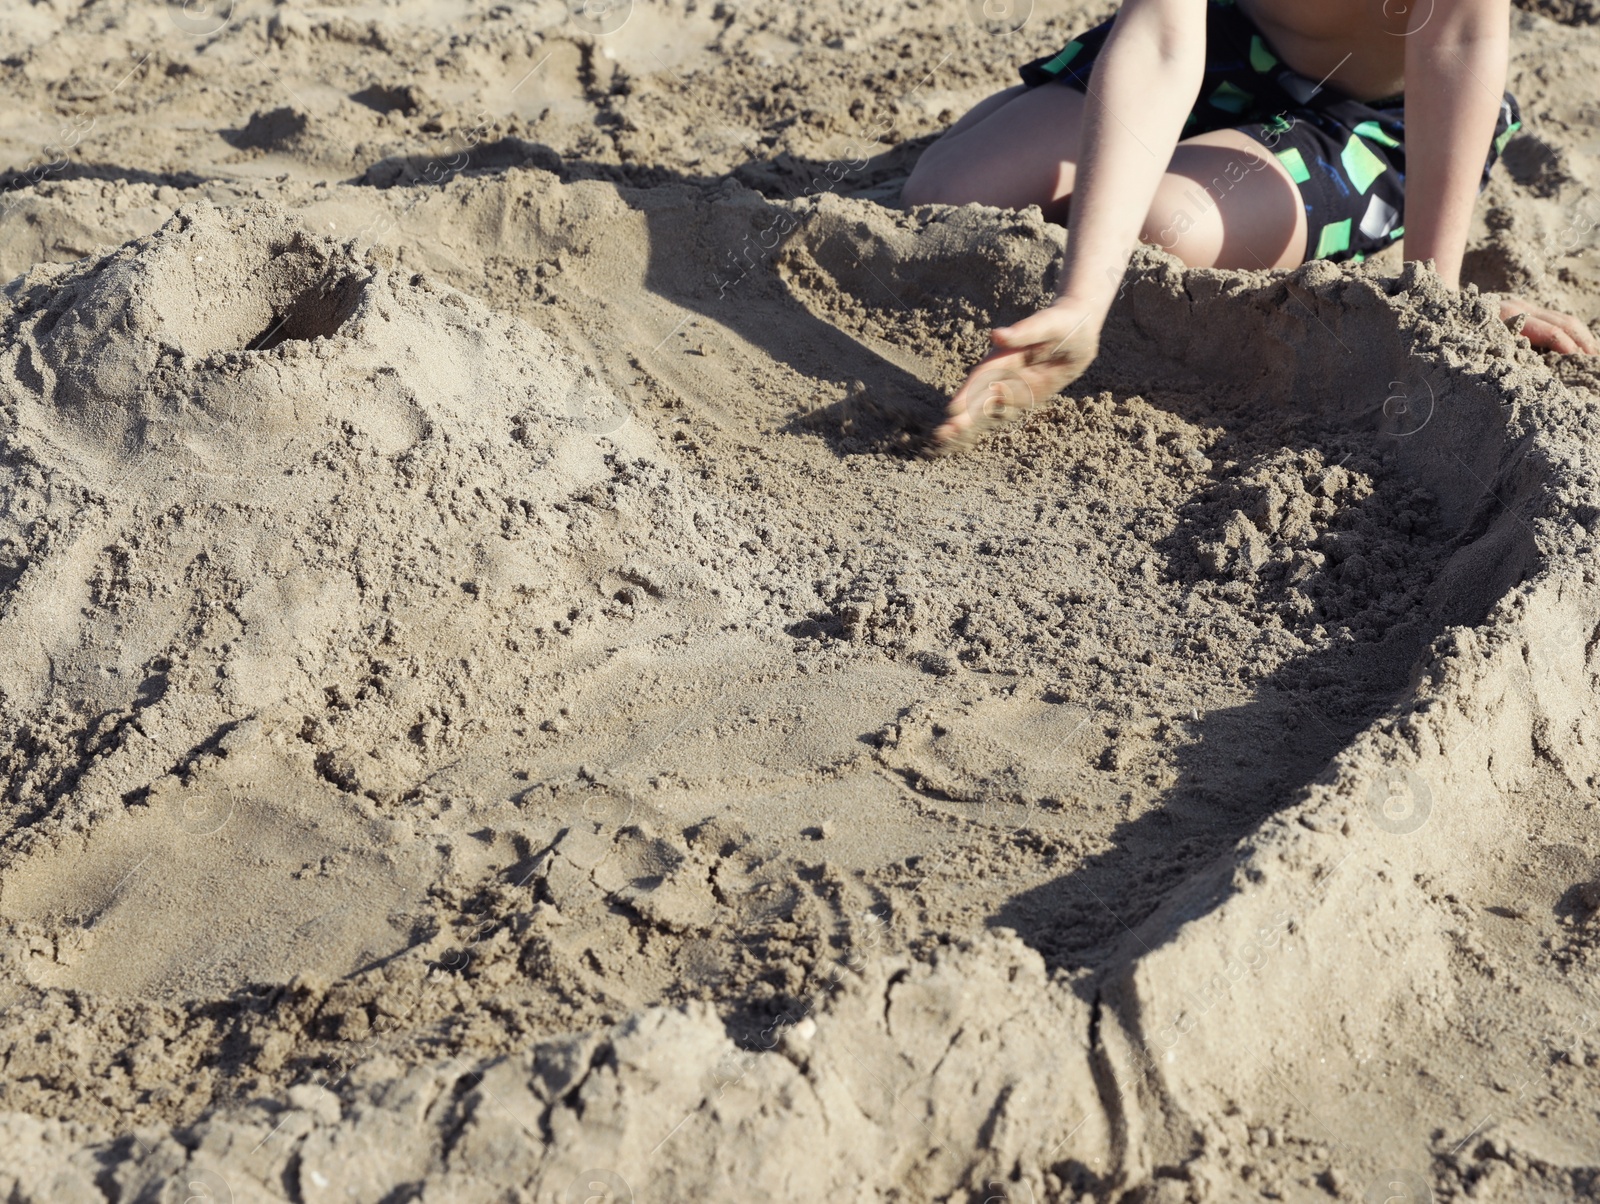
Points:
x=1142 y=88
x=1456 y=58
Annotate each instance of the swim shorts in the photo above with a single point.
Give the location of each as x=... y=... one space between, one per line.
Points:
x=1347 y=156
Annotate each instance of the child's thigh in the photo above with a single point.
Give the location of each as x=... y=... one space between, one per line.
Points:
x=1022 y=151
x=1041 y=123
x=1227 y=201
x=984 y=108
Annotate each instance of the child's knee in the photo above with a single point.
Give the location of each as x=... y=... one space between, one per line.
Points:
x=917 y=191
x=1179 y=219
x=1167 y=221
x=926 y=185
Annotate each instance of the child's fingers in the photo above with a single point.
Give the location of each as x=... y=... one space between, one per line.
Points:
x=1580 y=334
x=994 y=387
x=997 y=366
x=1549 y=329
x=1042 y=327
x=1553 y=338
x=1549 y=336
x=994 y=390
x=1567 y=341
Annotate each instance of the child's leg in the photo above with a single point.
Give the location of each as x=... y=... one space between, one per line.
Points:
x=981 y=110
x=1227 y=202
x=1017 y=148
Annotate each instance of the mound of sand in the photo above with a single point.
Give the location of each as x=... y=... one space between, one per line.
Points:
x=280 y=559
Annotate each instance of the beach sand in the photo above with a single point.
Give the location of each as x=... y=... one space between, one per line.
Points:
x=497 y=706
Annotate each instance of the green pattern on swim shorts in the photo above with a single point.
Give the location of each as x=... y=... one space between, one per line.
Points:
x=1500 y=142
x=1372 y=130
x=1397 y=234
x=1295 y=165
x=1230 y=99
x=1060 y=63
x=1261 y=58
x=1360 y=164
x=1335 y=238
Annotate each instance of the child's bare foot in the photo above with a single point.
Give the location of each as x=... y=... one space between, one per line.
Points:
x=1032 y=361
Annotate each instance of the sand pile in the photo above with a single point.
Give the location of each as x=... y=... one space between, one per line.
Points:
x=238 y=447
x=290 y=535
x=495 y=706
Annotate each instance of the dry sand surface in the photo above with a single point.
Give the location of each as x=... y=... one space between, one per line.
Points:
x=495 y=707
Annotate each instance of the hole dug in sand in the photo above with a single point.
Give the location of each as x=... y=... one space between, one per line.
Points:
x=319 y=300
x=227 y=341
x=139 y=349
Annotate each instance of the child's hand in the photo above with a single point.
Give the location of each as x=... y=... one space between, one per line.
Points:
x=1032 y=360
x=1548 y=330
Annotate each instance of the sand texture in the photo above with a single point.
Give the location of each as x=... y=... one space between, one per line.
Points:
x=495 y=706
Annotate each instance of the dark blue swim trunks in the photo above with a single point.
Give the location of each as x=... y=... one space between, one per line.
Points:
x=1347 y=156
